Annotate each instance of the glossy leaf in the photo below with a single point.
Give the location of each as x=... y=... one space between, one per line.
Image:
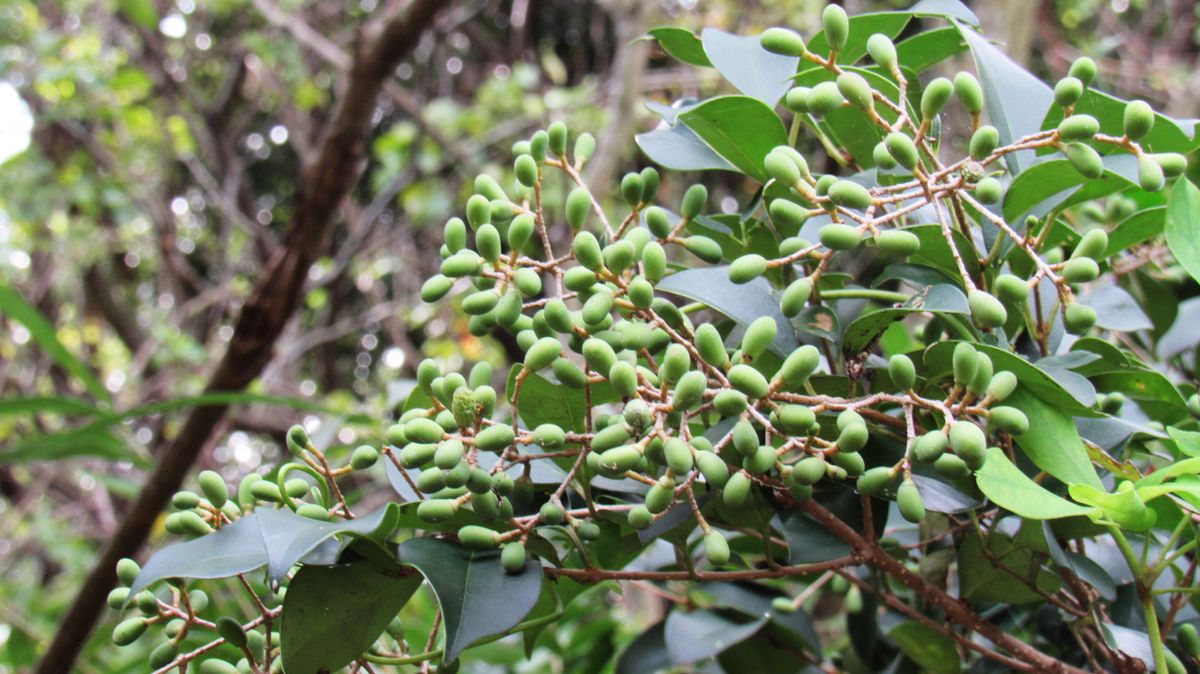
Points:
x=742 y=303
x=942 y=298
x=332 y=614
x=676 y=147
x=740 y=129
x=697 y=635
x=1183 y=226
x=1116 y=309
x=1006 y=486
x=1052 y=442
x=742 y=61
x=478 y=598
x=682 y=44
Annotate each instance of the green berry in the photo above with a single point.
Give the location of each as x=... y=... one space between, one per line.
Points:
x=837 y=236
x=851 y=462
x=799 y=365
x=855 y=89
x=214 y=488
x=951 y=466
x=711 y=346
x=495 y=438
x=882 y=50
x=986 y=310
x=1078 y=127
x=967 y=88
x=661 y=495
x=654 y=261
x=782 y=41
x=730 y=403
x=989 y=190
x=1150 y=174
x=1189 y=640
x=693 y=201
x=1002 y=385
x=713 y=468
x=477 y=537
x=1008 y=419
x=836 y=25
x=748 y=267
x=578 y=205
x=716 y=548
x=127 y=571
x=824 y=98
x=1080 y=270
x=1011 y=289
x=883 y=158
x=512 y=557
x=163 y=654
x=1138 y=119
x=873 y=481
x=902 y=372
x=984 y=142
x=850 y=194
x=1079 y=318
x=761 y=460
x=758 y=337
x=1084 y=70
x=1068 y=91
x=598 y=354
x=736 y=490
x=935 y=97
x=640 y=517
x=968 y=442
x=795 y=296
x=748 y=380
x=585 y=147
x=363 y=457
x=903 y=149
x=1173 y=164
x=787 y=213
x=704 y=248
x=689 y=390
x=930 y=446
x=619 y=255
x=623 y=377
x=1085 y=159
x=127 y=631
x=632 y=187
x=908 y=498
x=231 y=631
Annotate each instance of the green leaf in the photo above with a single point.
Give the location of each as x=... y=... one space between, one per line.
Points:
x=332 y=614
x=233 y=549
x=1168 y=134
x=1154 y=393
x=288 y=537
x=862 y=27
x=13 y=305
x=1053 y=442
x=1051 y=182
x=478 y=598
x=925 y=50
x=951 y=9
x=1125 y=508
x=742 y=61
x=678 y=148
x=1188 y=442
x=86 y=441
x=935 y=251
x=1116 y=309
x=64 y=405
x=1009 y=488
x=931 y=650
x=742 y=303
x=998 y=575
x=1075 y=400
x=740 y=129
x=1016 y=101
x=1183 y=226
x=647 y=653
x=942 y=298
x=1141 y=226
x=701 y=634
x=682 y=44
x=546 y=402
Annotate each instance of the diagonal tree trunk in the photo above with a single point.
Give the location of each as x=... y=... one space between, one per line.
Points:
x=325 y=182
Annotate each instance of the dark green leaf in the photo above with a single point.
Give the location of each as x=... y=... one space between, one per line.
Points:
x=925 y=50
x=1183 y=226
x=755 y=601
x=862 y=27
x=682 y=44
x=933 y=651
x=999 y=574
x=942 y=298
x=233 y=549
x=740 y=129
x=1052 y=181
x=478 y=598
x=332 y=614
x=1116 y=309
x=647 y=654
x=1139 y=227
x=288 y=537
x=701 y=634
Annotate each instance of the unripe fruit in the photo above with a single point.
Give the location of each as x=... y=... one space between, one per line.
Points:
x=640 y=517
x=654 y=261
x=542 y=353
x=1084 y=70
x=1150 y=174
x=693 y=201
x=758 y=337
x=836 y=25
x=930 y=446
x=619 y=255
x=986 y=310
x=127 y=631
x=903 y=149
x=989 y=190
x=512 y=557
x=364 y=457
x=968 y=442
x=1002 y=385
x=1080 y=270
x=1009 y=419
x=855 y=89
x=716 y=548
x=578 y=205
x=836 y=236
x=967 y=88
x=262 y=490
x=824 y=98
x=478 y=538
x=163 y=654
x=762 y=460
x=748 y=380
x=710 y=345
x=882 y=50
x=1138 y=119
x=951 y=466
x=1078 y=318
x=231 y=631
x=800 y=365
x=853 y=437
x=1078 y=127
x=214 y=488
x=1092 y=244
x=874 y=481
x=902 y=372
x=479 y=210
x=796 y=99
x=795 y=296
x=796 y=418
x=850 y=194
x=782 y=41
x=744 y=438
x=525 y=168
x=808 y=470
x=1085 y=160
x=748 y=267
x=117 y=597
x=736 y=490
x=787 y=214
x=436 y=510
x=596 y=310
x=192 y=524
x=435 y=288
x=1173 y=164
x=935 y=97
x=984 y=142
x=678 y=456
x=713 y=468
x=1189 y=640
x=908 y=498
x=883 y=158
x=448 y=454
x=585 y=147
x=704 y=248
x=423 y=430
x=730 y=403
x=658 y=222
x=217 y=667
x=1068 y=91
x=127 y=570
x=495 y=438
x=1011 y=289
x=587 y=250
x=661 y=495
x=598 y=354
x=851 y=462
x=689 y=390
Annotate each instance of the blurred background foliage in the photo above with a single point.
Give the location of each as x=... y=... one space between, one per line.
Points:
x=165 y=141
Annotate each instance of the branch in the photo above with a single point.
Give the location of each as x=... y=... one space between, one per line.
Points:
x=323 y=185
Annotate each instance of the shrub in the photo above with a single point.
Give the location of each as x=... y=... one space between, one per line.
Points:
x=913 y=376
